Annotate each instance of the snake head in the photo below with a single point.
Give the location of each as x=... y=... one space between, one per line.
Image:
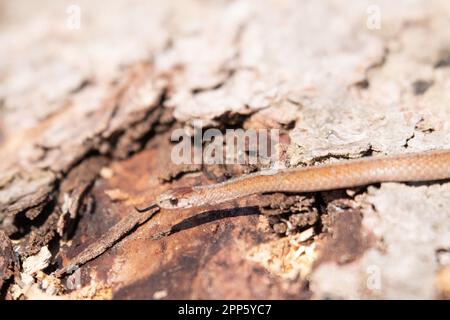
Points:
x=185 y=197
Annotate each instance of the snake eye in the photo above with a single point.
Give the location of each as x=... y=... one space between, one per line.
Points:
x=173 y=201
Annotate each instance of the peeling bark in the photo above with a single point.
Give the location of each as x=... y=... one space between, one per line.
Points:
x=86 y=118
x=8 y=260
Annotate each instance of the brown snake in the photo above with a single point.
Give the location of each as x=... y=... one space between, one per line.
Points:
x=425 y=166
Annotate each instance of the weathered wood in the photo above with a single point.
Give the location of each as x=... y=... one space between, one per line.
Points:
x=86 y=117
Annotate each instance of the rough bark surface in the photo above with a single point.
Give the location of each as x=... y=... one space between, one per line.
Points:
x=86 y=117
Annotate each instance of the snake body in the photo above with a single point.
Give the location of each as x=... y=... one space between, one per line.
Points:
x=424 y=166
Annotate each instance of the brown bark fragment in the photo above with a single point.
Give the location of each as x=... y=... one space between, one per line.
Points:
x=344 y=240
x=8 y=260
